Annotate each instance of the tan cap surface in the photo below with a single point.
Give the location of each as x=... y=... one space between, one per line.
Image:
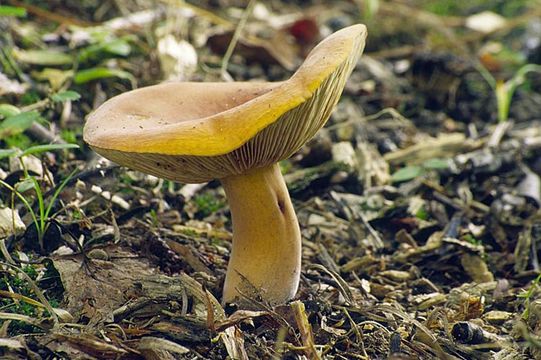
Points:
x=195 y=132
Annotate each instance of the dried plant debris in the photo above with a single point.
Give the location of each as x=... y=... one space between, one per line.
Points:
x=114 y=274
x=419 y=202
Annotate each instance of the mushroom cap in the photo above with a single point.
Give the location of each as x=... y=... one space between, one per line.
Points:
x=194 y=132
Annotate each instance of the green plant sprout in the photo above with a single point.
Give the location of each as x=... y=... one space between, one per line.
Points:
x=410 y=172
x=527 y=295
x=370 y=8
x=208 y=204
x=504 y=90
x=42 y=217
x=14 y=121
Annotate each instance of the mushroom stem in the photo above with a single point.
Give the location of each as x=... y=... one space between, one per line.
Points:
x=266 y=251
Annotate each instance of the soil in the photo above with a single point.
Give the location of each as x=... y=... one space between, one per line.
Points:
x=419 y=205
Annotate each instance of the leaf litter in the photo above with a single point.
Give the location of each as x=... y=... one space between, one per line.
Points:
x=419 y=207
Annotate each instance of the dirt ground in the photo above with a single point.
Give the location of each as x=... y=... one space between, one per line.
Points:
x=418 y=202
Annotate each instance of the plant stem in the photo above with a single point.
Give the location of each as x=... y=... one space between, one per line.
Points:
x=235 y=39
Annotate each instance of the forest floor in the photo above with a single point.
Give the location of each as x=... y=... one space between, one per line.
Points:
x=419 y=202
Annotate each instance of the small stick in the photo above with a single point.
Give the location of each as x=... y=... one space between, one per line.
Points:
x=234 y=40
x=305 y=329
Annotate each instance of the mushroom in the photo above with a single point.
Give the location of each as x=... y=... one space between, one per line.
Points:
x=235 y=132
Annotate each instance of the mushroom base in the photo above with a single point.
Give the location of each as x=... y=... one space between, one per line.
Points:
x=266 y=256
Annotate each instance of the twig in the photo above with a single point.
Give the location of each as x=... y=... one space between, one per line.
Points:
x=377 y=242
x=397 y=52
x=5 y=252
x=387 y=111
x=200 y=12
x=357 y=331
x=446 y=145
x=39 y=132
x=498 y=134
x=305 y=329
x=341 y=284
x=51 y=16
x=236 y=35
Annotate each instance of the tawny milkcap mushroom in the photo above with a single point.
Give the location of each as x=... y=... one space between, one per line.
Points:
x=235 y=132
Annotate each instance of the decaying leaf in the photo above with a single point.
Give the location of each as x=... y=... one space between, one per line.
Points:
x=8 y=86
x=277 y=49
x=93 y=293
x=154 y=348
